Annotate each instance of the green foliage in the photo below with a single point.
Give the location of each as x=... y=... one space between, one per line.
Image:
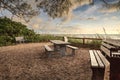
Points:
x=10 y=29
x=88 y=43
x=77 y=41
x=55 y=8
x=42 y=38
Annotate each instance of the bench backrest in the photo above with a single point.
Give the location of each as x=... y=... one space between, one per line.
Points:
x=65 y=39
x=19 y=38
x=108 y=48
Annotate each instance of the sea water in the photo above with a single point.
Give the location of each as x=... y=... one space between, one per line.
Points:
x=110 y=36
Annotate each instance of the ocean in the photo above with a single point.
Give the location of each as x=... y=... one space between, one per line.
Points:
x=110 y=36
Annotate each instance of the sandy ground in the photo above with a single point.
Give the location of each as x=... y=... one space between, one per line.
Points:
x=29 y=62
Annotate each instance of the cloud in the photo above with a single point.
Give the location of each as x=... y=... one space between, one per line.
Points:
x=34 y=23
x=52 y=28
x=114 y=17
x=88 y=14
x=99 y=30
x=92 y=18
x=110 y=18
x=109 y=9
x=78 y=29
x=106 y=10
x=35 y=26
x=75 y=4
x=67 y=18
x=92 y=9
x=89 y=18
x=106 y=19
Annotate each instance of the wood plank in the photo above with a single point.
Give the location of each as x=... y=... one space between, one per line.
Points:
x=59 y=42
x=105 y=50
x=105 y=61
x=107 y=66
x=108 y=45
x=101 y=65
x=115 y=43
x=94 y=63
x=73 y=47
x=19 y=38
x=114 y=54
x=48 y=48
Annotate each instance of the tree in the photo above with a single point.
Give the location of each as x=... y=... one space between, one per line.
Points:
x=54 y=8
x=19 y=8
x=10 y=29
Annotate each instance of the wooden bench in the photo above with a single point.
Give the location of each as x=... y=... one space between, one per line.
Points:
x=73 y=49
x=48 y=50
x=20 y=39
x=100 y=65
x=109 y=49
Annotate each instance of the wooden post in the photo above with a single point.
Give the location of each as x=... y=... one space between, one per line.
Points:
x=73 y=52
x=114 y=69
x=107 y=72
x=98 y=74
x=83 y=41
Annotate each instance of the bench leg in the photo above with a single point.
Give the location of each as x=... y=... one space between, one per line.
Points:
x=63 y=50
x=50 y=54
x=98 y=74
x=73 y=52
x=56 y=47
x=107 y=73
x=114 y=69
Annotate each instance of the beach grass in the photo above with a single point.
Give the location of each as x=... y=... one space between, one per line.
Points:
x=88 y=43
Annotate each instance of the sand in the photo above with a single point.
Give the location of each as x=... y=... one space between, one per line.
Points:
x=29 y=62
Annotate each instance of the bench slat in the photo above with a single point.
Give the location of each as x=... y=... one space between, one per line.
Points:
x=116 y=43
x=105 y=61
x=93 y=59
x=108 y=46
x=116 y=54
x=101 y=65
x=73 y=47
x=105 y=50
x=101 y=60
x=107 y=66
x=48 y=48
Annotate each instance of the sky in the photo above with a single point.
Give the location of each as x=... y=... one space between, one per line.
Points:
x=82 y=19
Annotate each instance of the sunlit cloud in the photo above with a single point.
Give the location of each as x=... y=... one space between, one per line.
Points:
x=88 y=14
x=108 y=10
x=114 y=17
x=75 y=4
x=79 y=29
x=90 y=20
